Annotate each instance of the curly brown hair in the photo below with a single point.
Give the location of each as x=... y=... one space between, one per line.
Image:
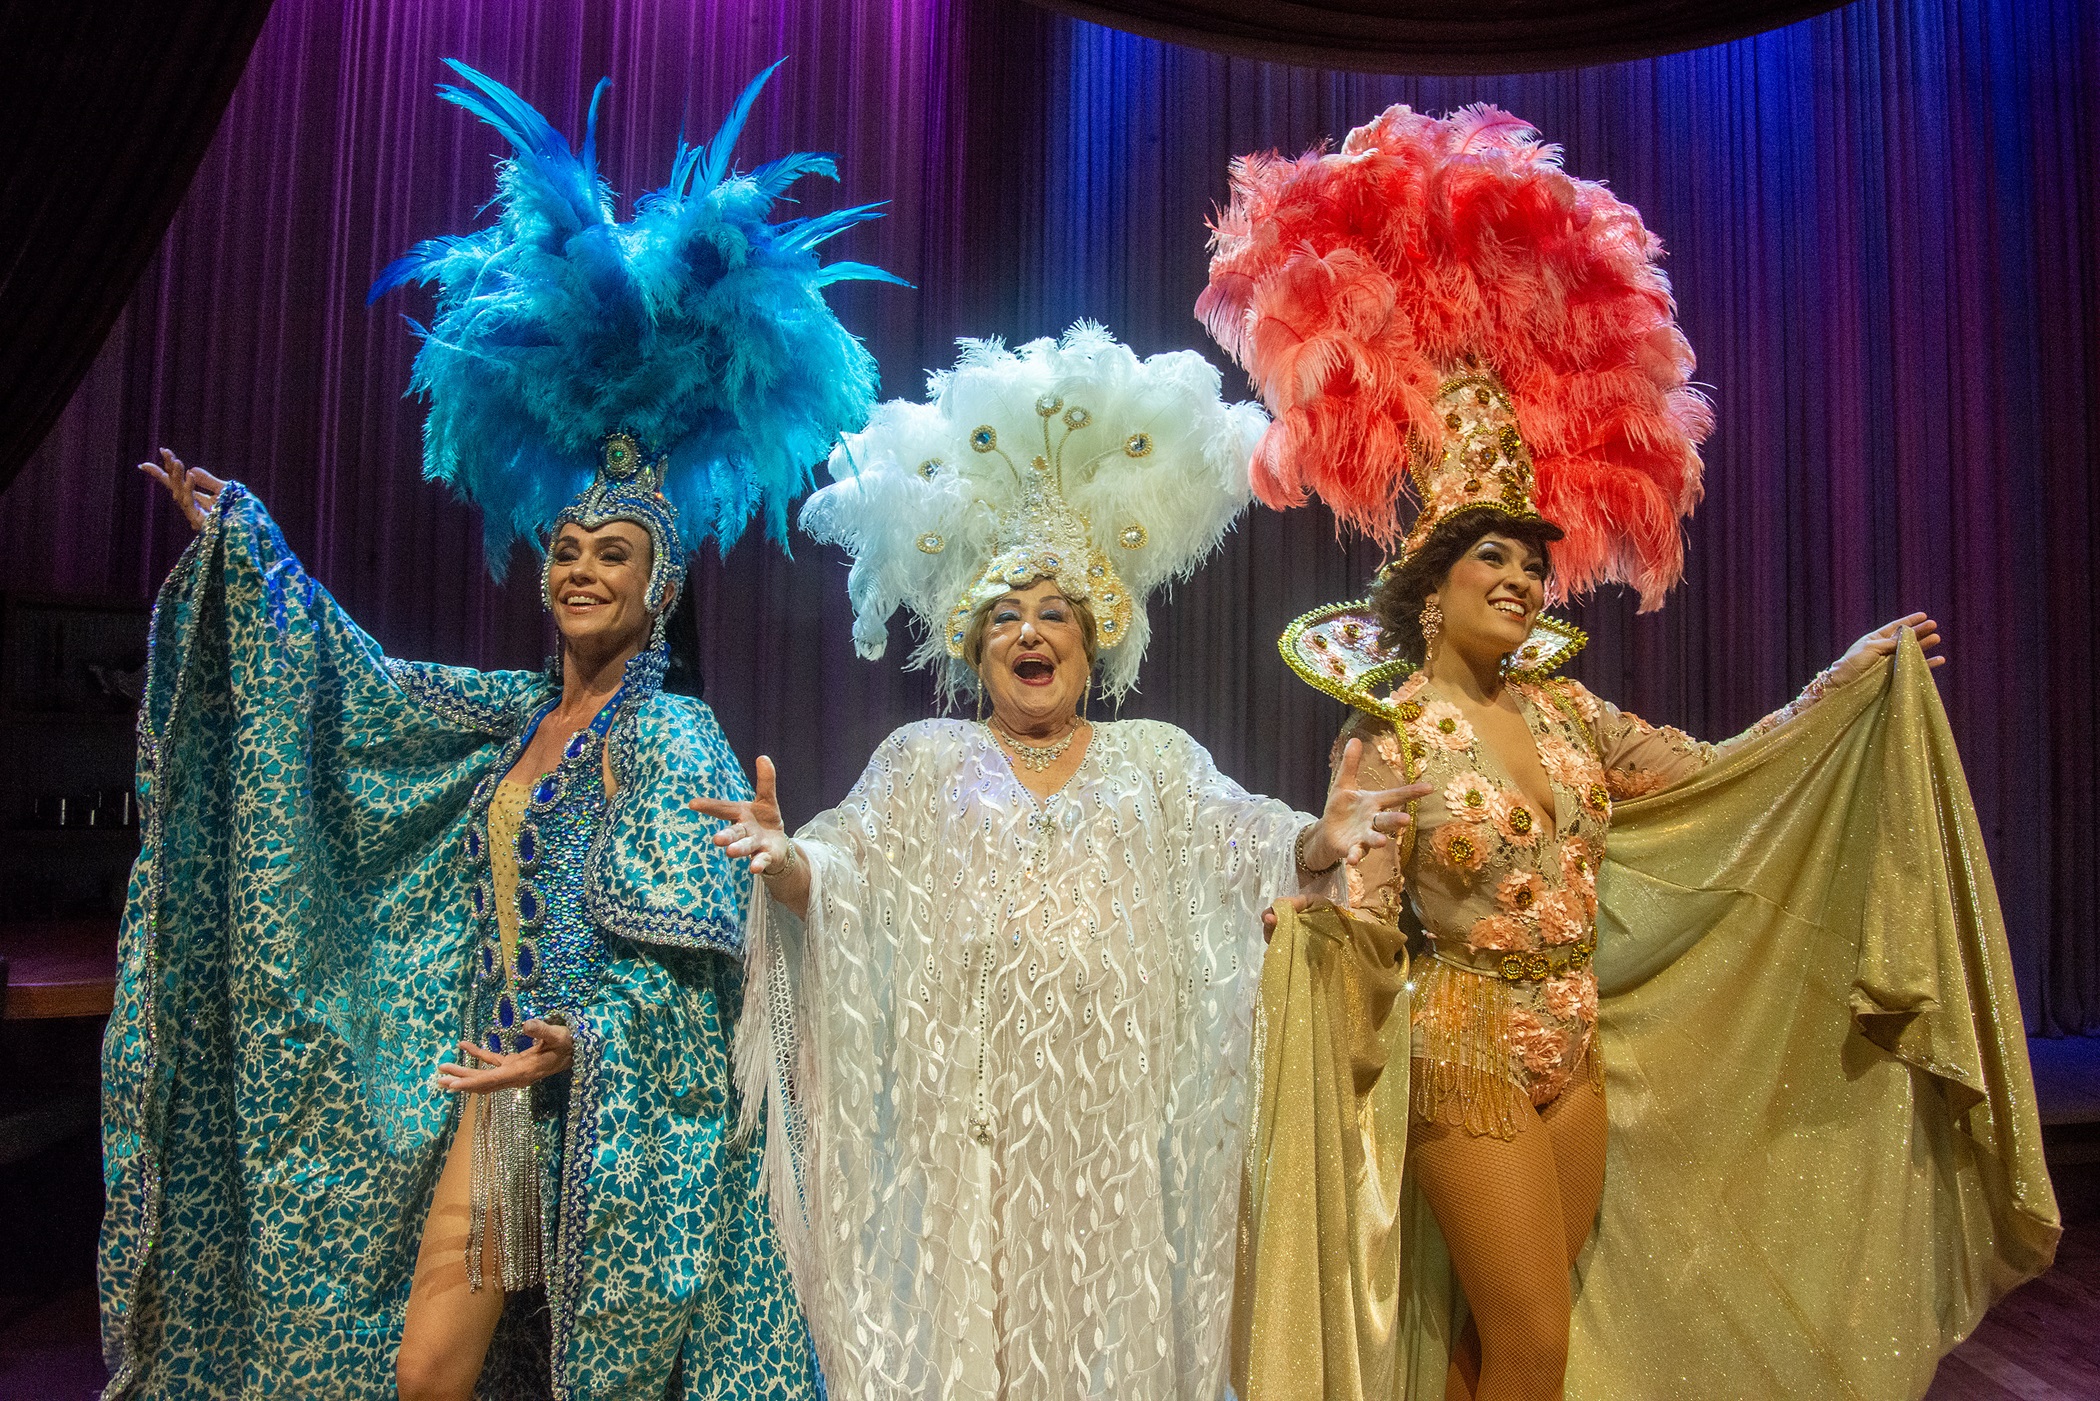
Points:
x=1397 y=602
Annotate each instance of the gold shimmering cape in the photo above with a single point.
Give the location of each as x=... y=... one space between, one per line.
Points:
x=1825 y=1161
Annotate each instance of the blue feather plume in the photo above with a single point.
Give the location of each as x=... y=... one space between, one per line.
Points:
x=697 y=326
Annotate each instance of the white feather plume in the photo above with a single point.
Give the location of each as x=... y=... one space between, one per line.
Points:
x=923 y=511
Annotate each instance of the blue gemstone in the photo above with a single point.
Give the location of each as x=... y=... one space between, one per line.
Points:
x=528 y=904
x=544 y=791
x=495 y=1043
x=488 y=960
x=506 y=1012
x=524 y=1042
x=474 y=843
x=481 y=901
x=576 y=744
x=528 y=959
x=528 y=846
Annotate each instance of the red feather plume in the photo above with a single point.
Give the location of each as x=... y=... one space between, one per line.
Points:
x=1350 y=285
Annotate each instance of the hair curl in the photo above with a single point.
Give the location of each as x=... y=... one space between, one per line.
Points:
x=1398 y=601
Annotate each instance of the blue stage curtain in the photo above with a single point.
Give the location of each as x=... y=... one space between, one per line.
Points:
x=1882 y=227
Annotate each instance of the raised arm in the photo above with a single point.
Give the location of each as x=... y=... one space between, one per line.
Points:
x=1640 y=758
x=194 y=490
x=1859 y=658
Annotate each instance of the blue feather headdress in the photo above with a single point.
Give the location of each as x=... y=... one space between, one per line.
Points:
x=695 y=335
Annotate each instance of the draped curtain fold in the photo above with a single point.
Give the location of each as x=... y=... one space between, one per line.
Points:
x=1433 y=36
x=1883 y=230
x=108 y=106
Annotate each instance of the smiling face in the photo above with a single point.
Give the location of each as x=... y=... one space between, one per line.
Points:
x=1034 y=659
x=1492 y=596
x=598 y=582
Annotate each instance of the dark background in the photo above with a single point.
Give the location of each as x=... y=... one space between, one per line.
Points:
x=1882 y=228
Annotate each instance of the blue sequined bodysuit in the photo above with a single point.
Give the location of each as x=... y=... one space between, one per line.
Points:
x=555 y=960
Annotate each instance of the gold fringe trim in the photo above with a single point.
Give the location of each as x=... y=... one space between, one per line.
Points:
x=1464 y=1081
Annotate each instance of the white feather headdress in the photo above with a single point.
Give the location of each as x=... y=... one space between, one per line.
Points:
x=1069 y=459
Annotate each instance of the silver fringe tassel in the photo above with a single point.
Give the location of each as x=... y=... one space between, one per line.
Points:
x=504 y=1187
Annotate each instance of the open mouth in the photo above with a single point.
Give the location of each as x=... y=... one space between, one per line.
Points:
x=1510 y=607
x=581 y=600
x=1034 y=671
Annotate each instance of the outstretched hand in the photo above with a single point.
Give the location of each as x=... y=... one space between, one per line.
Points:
x=1882 y=642
x=195 y=491
x=551 y=1050
x=753 y=831
x=1357 y=820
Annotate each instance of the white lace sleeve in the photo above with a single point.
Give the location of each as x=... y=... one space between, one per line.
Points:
x=1241 y=853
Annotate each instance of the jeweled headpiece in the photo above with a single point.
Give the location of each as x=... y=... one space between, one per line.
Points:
x=680 y=370
x=629 y=487
x=1440 y=311
x=1070 y=460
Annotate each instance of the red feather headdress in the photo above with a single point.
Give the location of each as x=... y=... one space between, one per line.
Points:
x=1355 y=287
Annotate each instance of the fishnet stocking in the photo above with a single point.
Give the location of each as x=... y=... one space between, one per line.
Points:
x=1514 y=1213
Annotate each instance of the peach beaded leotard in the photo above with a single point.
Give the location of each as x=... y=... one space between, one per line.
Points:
x=1505 y=1003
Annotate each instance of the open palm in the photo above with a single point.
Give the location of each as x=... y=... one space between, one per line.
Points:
x=753 y=831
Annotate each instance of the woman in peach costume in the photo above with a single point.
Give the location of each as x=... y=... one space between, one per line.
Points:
x=1438 y=310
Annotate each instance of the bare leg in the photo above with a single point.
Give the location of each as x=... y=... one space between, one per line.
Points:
x=446 y=1334
x=1498 y=1204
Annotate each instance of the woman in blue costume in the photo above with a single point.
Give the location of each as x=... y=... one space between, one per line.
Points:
x=356 y=868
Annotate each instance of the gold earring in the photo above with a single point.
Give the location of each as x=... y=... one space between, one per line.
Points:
x=1432 y=623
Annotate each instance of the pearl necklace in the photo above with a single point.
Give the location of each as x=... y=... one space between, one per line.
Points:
x=1036 y=758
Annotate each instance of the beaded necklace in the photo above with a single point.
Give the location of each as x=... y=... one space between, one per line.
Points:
x=1036 y=758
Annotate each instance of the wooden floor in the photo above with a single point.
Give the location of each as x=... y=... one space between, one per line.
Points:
x=2042 y=1341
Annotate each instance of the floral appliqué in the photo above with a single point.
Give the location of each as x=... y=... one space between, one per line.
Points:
x=1459 y=846
x=1519 y=894
x=1514 y=819
x=1469 y=798
x=1445 y=726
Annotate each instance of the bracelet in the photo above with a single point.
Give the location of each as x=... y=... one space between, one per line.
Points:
x=1304 y=835
x=788 y=863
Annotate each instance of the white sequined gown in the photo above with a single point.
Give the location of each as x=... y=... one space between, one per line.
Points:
x=1009 y=1069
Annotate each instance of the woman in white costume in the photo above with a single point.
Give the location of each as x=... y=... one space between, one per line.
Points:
x=1011 y=976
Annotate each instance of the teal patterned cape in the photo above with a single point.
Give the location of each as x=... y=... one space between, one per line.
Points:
x=294 y=963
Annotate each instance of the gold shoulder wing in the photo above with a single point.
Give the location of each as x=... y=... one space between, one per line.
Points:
x=1335 y=649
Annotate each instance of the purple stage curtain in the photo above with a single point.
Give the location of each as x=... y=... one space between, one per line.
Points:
x=1434 y=36
x=1882 y=223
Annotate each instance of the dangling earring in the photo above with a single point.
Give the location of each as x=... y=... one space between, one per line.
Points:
x=1432 y=622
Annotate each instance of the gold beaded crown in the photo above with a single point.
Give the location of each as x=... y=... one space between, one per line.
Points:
x=1070 y=460
x=1484 y=463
